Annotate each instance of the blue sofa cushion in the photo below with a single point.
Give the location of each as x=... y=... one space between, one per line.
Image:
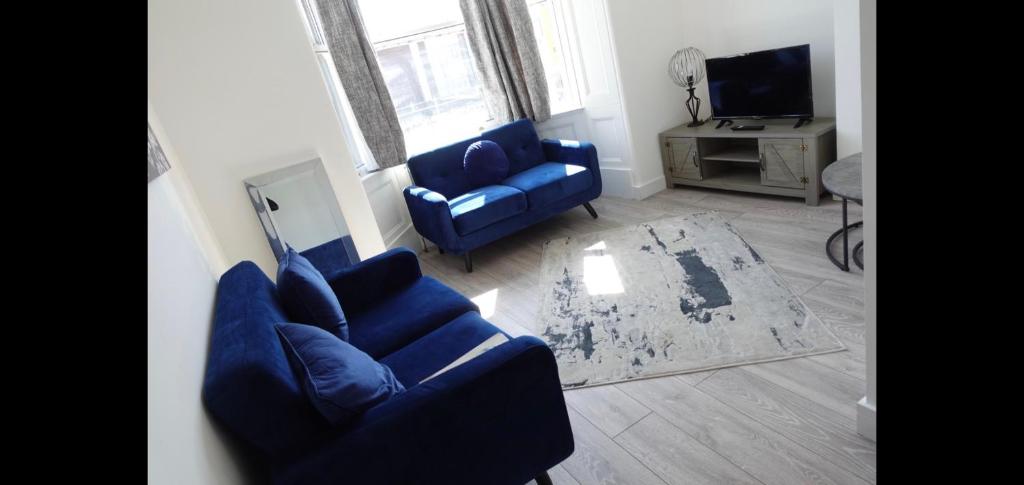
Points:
x=520 y=142
x=340 y=380
x=437 y=349
x=485 y=206
x=306 y=295
x=550 y=182
x=441 y=170
x=485 y=163
x=406 y=315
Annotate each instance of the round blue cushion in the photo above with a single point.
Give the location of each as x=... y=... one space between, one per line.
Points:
x=485 y=163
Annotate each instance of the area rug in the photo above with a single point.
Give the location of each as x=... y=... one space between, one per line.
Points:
x=677 y=295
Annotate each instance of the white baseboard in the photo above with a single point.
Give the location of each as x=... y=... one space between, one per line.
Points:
x=647 y=189
x=617 y=182
x=865 y=419
x=407 y=237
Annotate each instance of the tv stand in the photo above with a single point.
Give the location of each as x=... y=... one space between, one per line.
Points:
x=802 y=122
x=723 y=123
x=779 y=160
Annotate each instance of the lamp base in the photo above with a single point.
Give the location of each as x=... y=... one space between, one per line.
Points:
x=693 y=107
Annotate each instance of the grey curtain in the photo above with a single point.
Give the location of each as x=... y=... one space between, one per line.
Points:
x=360 y=75
x=501 y=38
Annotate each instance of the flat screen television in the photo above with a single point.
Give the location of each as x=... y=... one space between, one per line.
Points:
x=774 y=83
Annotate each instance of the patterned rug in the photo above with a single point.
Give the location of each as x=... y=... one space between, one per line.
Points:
x=672 y=296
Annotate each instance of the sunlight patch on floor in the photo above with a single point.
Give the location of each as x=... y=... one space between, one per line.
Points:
x=487 y=302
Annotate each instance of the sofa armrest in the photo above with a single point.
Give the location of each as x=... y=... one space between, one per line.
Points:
x=431 y=215
x=499 y=418
x=575 y=152
x=366 y=282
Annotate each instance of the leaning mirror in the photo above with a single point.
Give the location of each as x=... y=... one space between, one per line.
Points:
x=297 y=207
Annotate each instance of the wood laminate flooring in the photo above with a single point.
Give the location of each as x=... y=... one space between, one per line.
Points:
x=784 y=422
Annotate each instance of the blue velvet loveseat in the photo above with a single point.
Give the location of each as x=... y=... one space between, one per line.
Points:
x=499 y=418
x=545 y=177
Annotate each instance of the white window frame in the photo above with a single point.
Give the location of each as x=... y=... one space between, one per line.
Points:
x=362 y=157
x=570 y=52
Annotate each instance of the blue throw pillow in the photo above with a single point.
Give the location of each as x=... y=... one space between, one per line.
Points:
x=340 y=380
x=306 y=295
x=485 y=163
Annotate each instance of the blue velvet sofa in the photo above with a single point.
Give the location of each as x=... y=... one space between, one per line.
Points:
x=545 y=177
x=499 y=418
x=333 y=255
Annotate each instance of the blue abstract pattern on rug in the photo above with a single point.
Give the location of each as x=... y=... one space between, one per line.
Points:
x=671 y=296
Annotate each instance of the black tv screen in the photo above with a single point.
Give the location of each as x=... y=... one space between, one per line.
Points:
x=774 y=83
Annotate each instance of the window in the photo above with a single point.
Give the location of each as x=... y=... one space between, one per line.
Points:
x=550 y=30
x=427 y=64
x=335 y=90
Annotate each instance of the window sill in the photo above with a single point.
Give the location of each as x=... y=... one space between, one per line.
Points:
x=366 y=176
x=567 y=113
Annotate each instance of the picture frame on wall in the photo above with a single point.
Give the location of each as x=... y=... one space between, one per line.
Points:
x=158 y=163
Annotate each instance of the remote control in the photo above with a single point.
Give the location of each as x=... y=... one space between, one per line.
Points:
x=747 y=127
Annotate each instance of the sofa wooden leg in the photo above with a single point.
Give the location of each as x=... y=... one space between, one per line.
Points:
x=590 y=209
x=543 y=479
x=469 y=262
x=440 y=249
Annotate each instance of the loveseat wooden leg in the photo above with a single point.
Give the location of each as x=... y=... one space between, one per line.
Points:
x=440 y=249
x=543 y=479
x=469 y=262
x=590 y=209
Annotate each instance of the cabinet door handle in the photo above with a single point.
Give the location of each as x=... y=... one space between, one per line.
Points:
x=695 y=159
x=762 y=161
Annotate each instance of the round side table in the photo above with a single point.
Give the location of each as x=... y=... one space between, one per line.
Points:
x=843 y=178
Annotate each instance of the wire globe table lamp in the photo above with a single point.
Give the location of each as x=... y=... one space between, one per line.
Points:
x=687 y=70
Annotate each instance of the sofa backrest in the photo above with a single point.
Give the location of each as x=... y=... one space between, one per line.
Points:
x=249 y=386
x=520 y=142
x=332 y=255
x=441 y=170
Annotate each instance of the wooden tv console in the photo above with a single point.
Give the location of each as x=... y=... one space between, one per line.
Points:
x=779 y=160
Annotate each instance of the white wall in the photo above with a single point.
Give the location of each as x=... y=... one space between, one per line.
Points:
x=185 y=261
x=238 y=89
x=727 y=27
x=869 y=47
x=183 y=447
x=847 y=65
x=646 y=35
x=187 y=197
